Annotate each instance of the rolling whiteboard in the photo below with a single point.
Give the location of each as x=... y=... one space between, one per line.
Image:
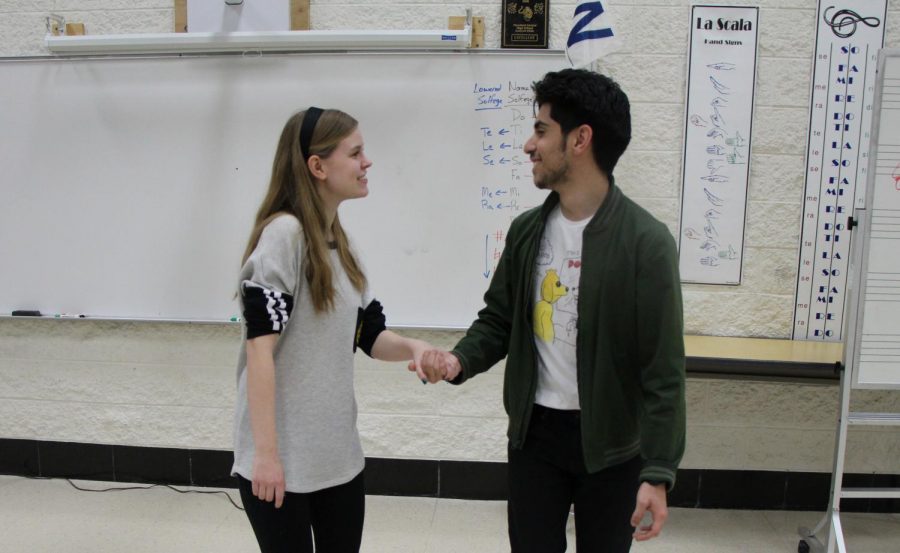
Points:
x=129 y=185
x=875 y=334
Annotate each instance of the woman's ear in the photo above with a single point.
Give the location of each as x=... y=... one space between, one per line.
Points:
x=316 y=168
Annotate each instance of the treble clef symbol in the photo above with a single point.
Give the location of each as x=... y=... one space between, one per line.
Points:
x=849 y=19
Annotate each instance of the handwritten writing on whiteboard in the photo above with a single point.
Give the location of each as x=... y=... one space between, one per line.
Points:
x=505 y=111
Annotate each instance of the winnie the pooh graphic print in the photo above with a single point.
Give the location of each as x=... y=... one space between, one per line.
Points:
x=556 y=308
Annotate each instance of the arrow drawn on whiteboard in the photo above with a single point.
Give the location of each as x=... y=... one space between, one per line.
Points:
x=487 y=267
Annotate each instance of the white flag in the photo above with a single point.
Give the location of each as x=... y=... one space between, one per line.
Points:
x=592 y=35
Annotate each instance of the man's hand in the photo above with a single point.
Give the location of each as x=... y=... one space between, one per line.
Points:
x=452 y=368
x=435 y=365
x=650 y=499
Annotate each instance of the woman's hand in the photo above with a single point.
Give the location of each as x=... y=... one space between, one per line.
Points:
x=390 y=346
x=436 y=365
x=268 y=478
x=268 y=473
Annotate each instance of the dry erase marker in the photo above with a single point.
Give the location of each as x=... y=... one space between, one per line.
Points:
x=235 y=319
x=68 y=316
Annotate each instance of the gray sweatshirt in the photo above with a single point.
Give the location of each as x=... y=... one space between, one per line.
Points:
x=315 y=406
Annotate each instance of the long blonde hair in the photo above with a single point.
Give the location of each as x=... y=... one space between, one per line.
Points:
x=292 y=191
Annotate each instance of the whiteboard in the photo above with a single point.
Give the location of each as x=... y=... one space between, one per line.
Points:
x=875 y=351
x=130 y=184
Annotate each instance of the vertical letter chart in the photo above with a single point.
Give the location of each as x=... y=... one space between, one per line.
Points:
x=721 y=78
x=848 y=37
x=504 y=116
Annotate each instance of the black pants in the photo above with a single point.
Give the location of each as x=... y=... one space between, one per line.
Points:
x=333 y=517
x=548 y=475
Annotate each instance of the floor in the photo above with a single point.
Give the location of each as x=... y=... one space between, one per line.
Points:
x=51 y=516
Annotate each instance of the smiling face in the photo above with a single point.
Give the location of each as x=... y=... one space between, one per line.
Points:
x=547 y=150
x=344 y=172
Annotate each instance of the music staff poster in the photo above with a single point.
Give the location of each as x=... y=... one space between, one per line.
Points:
x=848 y=37
x=718 y=123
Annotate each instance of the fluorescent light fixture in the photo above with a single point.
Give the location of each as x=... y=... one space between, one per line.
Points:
x=241 y=41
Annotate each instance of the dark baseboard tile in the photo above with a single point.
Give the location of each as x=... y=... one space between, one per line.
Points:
x=409 y=477
x=687 y=484
x=212 y=468
x=695 y=488
x=19 y=457
x=807 y=491
x=118 y=463
x=77 y=460
x=473 y=480
x=152 y=465
x=720 y=489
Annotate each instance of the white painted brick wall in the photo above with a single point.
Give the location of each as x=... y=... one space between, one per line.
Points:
x=173 y=385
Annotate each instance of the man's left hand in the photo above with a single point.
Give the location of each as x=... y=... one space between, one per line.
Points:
x=650 y=499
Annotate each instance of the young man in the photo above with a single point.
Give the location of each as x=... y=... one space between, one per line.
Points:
x=585 y=304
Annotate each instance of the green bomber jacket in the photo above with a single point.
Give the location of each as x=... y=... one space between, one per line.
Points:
x=630 y=345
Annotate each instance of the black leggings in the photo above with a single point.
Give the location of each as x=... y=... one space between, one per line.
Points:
x=332 y=517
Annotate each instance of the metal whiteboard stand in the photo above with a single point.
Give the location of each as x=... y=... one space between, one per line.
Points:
x=871 y=358
x=831 y=521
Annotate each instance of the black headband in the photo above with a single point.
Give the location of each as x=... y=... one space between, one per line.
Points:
x=306 y=129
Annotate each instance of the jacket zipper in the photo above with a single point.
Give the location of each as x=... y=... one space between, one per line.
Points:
x=529 y=324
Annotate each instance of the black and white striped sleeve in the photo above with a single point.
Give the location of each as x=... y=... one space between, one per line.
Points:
x=266 y=311
x=269 y=277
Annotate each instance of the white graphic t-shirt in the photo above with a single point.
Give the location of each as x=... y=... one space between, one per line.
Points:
x=558 y=269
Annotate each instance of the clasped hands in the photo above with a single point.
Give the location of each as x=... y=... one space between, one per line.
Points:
x=433 y=365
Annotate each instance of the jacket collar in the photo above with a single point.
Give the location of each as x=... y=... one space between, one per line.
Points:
x=601 y=219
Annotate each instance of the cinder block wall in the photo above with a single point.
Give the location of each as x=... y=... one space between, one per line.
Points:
x=172 y=385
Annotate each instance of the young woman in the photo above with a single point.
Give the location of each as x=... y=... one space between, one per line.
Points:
x=297 y=454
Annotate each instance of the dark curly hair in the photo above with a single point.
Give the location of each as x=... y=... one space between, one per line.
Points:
x=580 y=97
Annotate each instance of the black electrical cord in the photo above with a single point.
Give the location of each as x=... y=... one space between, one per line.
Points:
x=123 y=488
